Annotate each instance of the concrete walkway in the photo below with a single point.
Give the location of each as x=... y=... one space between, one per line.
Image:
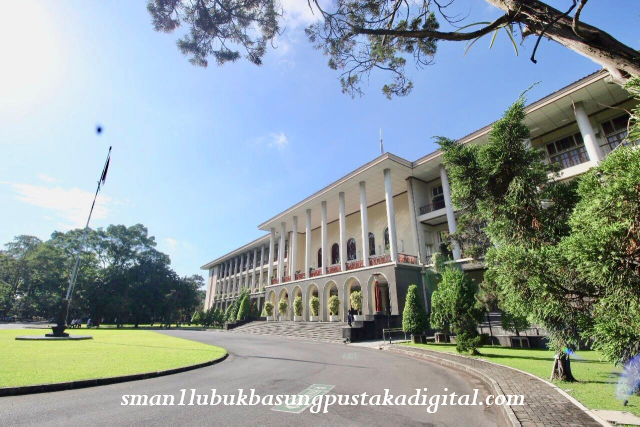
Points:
x=544 y=403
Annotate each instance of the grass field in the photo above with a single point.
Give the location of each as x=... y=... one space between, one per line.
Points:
x=596 y=385
x=110 y=353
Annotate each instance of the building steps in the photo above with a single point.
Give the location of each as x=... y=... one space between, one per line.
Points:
x=314 y=331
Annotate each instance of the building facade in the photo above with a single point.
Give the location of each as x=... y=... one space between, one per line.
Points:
x=375 y=229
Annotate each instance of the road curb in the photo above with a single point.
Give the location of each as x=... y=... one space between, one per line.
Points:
x=70 y=385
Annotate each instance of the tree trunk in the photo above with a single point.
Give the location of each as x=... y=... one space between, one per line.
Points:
x=619 y=59
x=562 y=368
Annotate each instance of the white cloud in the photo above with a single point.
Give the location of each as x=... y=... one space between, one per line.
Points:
x=170 y=242
x=70 y=205
x=278 y=140
x=46 y=178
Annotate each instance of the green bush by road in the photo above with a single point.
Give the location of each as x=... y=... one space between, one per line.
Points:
x=110 y=353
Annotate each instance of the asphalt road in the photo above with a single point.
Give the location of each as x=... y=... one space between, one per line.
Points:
x=270 y=365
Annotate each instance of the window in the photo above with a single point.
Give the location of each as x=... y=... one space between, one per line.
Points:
x=258 y=258
x=386 y=239
x=286 y=248
x=437 y=198
x=351 y=249
x=568 y=151
x=615 y=132
x=275 y=253
x=320 y=258
x=372 y=244
x=335 y=254
x=250 y=260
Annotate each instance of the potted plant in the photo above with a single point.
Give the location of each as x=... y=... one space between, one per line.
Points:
x=334 y=307
x=268 y=310
x=297 y=309
x=282 y=309
x=314 y=306
x=356 y=304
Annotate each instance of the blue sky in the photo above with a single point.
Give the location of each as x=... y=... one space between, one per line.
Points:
x=203 y=155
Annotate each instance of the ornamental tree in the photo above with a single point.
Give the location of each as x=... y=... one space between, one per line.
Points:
x=243 y=308
x=356 y=301
x=334 y=305
x=297 y=306
x=268 y=308
x=361 y=36
x=414 y=316
x=314 y=305
x=282 y=306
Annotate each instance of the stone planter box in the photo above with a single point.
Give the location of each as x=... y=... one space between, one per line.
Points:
x=313 y=318
x=334 y=318
x=297 y=318
x=271 y=318
x=281 y=318
x=358 y=318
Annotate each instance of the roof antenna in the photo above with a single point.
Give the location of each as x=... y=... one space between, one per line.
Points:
x=381 y=146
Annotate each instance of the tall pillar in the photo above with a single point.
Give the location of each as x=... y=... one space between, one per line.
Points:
x=451 y=219
x=343 y=233
x=260 y=266
x=391 y=218
x=324 y=236
x=255 y=266
x=283 y=236
x=240 y=272
x=307 y=244
x=416 y=229
x=364 y=223
x=272 y=240
x=588 y=135
x=293 y=247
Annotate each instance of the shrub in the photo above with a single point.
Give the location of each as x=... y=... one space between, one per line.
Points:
x=243 y=310
x=314 y=304
x=334 y=305
x=297 y=306
x=198 y=317
x=268 y=308
x=356 y=301
x=414 y=316
x=282 y=306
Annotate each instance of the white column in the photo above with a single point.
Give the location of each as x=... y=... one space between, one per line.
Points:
x=272 y=243
x=283 y=236
x=261 y=268
x=588 y=135
x=293 y=249
x=391 y=219
x=365 y=223
x=343 y=233
x=228 y=290
x=242 y=265
x=255 y=265
x=307 y=244
x=451 y=219
x=417 y=241
x=324 y=236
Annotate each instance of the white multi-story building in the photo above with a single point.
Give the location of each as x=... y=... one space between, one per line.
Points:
x=376 y=228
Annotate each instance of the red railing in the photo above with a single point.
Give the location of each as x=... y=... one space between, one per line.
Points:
x=315 y=273
x=379 y=259
x=334 y=269
x=300 y=276
x=286 y=279
x=407 y=259
x=352 y=265
x=274 y=281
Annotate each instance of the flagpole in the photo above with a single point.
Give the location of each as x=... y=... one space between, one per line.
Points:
x=64 y=309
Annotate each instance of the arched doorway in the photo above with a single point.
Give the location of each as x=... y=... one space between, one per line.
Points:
x=271 y=297
x=330 y=289
x=351 y=285
x=283 y=295
x=297 y=292
x=378 y=294
x=312 y=292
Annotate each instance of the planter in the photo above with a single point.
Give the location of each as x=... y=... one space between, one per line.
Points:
x=358 y=318
x=281 y=318
x=334 y=318
x=313 y=318
x=297 y=318
x=271 y=318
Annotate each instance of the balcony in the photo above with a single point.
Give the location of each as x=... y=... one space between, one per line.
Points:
x=432 y=207
x=315 y=273
x=379 y=259
x=300 y=276
x=275 y=281
x=334 y=269
x=352 y=265
x=407 y=259
x=286 y=279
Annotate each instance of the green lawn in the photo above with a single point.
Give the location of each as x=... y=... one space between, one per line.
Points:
x=110 y=353
x=595 y=387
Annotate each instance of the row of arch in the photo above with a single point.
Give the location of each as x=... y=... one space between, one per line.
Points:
x=351 y=249
x=375 y=293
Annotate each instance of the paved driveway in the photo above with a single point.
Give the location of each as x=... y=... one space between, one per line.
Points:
x=270 y=365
